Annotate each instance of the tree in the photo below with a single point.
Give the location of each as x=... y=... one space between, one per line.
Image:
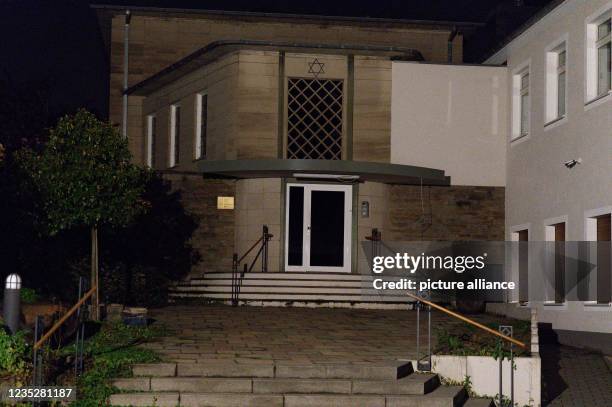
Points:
x=85 y=178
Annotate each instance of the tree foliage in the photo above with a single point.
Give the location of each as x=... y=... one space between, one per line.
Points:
x=84 y=176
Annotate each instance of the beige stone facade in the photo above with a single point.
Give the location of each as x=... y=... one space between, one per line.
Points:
x=247 y=119
x=159 y=39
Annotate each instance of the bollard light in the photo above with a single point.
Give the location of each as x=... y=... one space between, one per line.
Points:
x=12 y=302
x=13 y=282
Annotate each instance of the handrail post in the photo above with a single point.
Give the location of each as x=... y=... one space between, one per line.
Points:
x=507 y=330
x=264 y=259
x=234 y=279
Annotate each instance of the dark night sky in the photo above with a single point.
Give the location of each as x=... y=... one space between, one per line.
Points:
x=58 y=42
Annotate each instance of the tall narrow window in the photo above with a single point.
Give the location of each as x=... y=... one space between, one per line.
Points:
x=201 y=125
x=556 y=234
x=604 y=258
x=175 y=135
x=556 y=61
x=524 y=106
x=522 y=236
x=561 y=83
x=151 y=129
x=604 y=72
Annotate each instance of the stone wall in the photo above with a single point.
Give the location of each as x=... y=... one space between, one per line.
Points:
x=214 y=237
x=159 y=40
x=451 y=213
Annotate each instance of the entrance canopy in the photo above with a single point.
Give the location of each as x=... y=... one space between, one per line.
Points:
x=332 y=169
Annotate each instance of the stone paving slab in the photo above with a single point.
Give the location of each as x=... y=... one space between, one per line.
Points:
x=289 y=335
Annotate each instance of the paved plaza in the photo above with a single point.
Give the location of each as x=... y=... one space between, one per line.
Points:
x=316 y=335
x=574 y=378
x=267 y=335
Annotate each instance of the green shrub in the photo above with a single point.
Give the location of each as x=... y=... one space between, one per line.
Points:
x=28 y=295
x=14 y=354
x=112 y=351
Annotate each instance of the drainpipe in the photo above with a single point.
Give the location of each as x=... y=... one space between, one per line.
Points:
x=451 y=37
x=126 y=57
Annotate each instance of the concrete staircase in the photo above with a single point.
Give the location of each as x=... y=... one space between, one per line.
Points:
x=268 y=384
x=295 y=289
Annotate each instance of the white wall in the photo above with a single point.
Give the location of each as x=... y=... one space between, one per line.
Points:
x=451 y=117
x=539 y=187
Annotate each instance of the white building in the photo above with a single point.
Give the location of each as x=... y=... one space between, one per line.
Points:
x=560 y=101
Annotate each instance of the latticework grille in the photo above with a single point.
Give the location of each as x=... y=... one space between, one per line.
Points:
x=314 y=120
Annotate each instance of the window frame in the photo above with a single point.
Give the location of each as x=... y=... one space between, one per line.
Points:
x=151 y=136
x=200 y=151
x=553 y=105
x=175 y=137
x=592 y=45
x=518 y=91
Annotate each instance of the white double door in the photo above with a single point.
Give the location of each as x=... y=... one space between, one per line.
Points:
x=318 y=227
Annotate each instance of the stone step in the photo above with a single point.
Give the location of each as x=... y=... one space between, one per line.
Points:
x=443 y=396
x=388 y=371
x=154 y=369
x=335 y=400
x=364 y=290
x=231 y=400
x=277 y=385
x=224 y=369
x=413 y=384
x=479 y=403
x=144 y=399
x=292 y=297
x=287 y=275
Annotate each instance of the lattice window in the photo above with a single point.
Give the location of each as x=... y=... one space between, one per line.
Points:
x=314 y=120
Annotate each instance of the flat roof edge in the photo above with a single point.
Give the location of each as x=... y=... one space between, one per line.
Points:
x=140 y=87
x=286 y=168
x=348 y=19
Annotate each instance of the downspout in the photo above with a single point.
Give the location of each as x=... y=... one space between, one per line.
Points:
x=451 y=37
x=126 y=57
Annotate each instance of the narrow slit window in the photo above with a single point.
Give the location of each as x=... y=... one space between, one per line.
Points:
x=524 y=104
x=561 y=83
x=151 y=129
x=201 y=125
x=175 y=135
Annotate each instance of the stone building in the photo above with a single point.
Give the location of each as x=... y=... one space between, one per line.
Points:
x=320 y=128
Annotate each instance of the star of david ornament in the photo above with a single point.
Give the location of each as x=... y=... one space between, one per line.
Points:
x=316 y=68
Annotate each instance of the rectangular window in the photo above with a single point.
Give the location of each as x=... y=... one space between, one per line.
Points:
x=175 y=135
x=522 y=236
x=556 y=235
x=598 y=47
x=604 y=72
x=151 y=129
x=556 y=62
x=604 y=258
x=561 y=84
x=525 y=104
x=201 y=125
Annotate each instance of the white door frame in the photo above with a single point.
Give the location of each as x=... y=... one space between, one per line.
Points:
x=348 y=220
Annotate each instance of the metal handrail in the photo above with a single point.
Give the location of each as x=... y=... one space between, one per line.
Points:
x=376 y=239
x=63 y=319
x=469 y=321
x=263 y=252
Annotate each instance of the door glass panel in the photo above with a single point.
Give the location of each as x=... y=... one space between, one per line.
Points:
x=327 y=228
x=296 y=226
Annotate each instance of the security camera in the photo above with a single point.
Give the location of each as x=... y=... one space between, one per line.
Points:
x=572 y=163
